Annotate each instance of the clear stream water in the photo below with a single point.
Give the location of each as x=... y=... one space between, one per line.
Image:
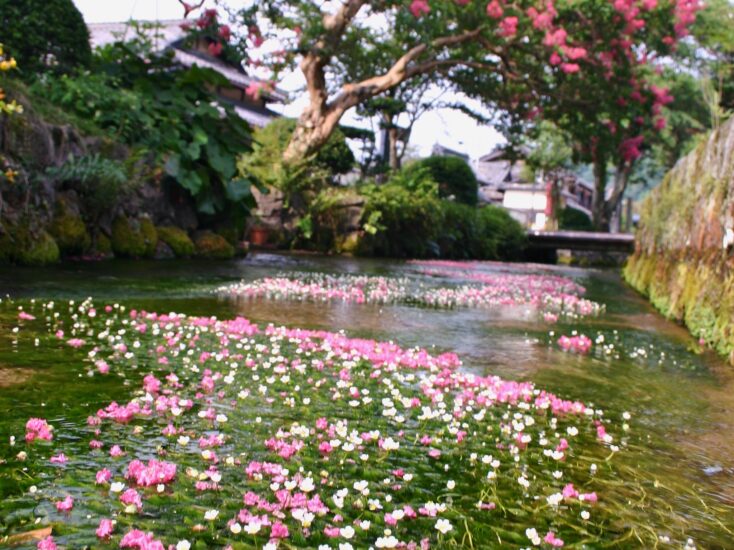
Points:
x=678 y=469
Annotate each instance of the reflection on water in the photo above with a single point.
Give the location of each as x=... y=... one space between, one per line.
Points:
x=681 y=402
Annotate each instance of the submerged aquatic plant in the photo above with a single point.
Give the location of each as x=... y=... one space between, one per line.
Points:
x=248 y=436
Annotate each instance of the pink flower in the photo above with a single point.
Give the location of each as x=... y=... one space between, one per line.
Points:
x=103 y=476
x=23 y=316
x=419 y=8
x=75 y=342
x=508 y=26
x=105 y=528
x=278 y=531
x=102 y=366
x=494 y=10
x=116 y=451
x=59 y=459
x=331 y=532
x=65 y=505
x=570 y=68
x=140 y=540
x=131 y=497
x=46 y=544
x=551 y=539
x=570 y=492
x=215 y=49
x=37 y=428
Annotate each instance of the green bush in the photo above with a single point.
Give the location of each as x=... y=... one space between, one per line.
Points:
x=142 y=99
x=266 y=166
x=406 y=218
x=454 y=176
x=574 y=220
x=44 y=35
x=100 y=182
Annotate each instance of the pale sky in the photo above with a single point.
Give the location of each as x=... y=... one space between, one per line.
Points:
x=449 y=128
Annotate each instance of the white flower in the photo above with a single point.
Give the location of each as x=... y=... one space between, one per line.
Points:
x=252 y=527
x=211 y=515
x=450 y=484
x=443 y=526
x=585 y=514
x=555 y=499
x=183 y=545
x=532 y=534
x=117 y=487
x=236 y=528
x=364 y=524
x=307 y=485
x=347 y=532
x=386 y=542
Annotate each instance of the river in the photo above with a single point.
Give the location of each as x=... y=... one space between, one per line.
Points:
x=675 y=475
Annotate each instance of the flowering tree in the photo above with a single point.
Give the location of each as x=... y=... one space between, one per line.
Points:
x=587 y=65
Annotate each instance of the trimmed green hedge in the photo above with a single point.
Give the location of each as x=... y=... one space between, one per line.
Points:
x=574 y=220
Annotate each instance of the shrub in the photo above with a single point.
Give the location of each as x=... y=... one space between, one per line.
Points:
x=405 y=218
x=265 y=162
x=99 y=182
x=142 y=99
x=44 y=35
x=508 y=234
x=400 y=223
x=574 y=220
x=454 y=177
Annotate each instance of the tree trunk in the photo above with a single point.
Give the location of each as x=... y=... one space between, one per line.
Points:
x=312 y=132
x=598 y=210
x=392 y=135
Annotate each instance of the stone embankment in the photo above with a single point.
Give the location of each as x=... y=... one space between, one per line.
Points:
x=684 y=250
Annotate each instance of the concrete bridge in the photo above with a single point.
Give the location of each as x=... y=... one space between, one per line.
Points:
x=581 y=240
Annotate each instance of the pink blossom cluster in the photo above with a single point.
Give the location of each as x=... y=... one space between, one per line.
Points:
x=153 y=473
x=38 y=428
x=580 y=344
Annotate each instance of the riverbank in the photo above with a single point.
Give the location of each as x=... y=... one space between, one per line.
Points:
x=684 y=253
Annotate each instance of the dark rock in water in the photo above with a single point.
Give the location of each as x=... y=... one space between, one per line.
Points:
x=163 y=251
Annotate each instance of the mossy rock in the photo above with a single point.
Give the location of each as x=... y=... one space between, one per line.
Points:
x=41 y=250
x=103 y=245
x=150 y=235
x=21 y=246
x=133 y=239
x=178 y=240
x=349 y=244
x=213 y=247
x=70 y=233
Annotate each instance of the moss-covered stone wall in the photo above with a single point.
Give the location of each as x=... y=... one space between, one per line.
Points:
x=684 y=252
